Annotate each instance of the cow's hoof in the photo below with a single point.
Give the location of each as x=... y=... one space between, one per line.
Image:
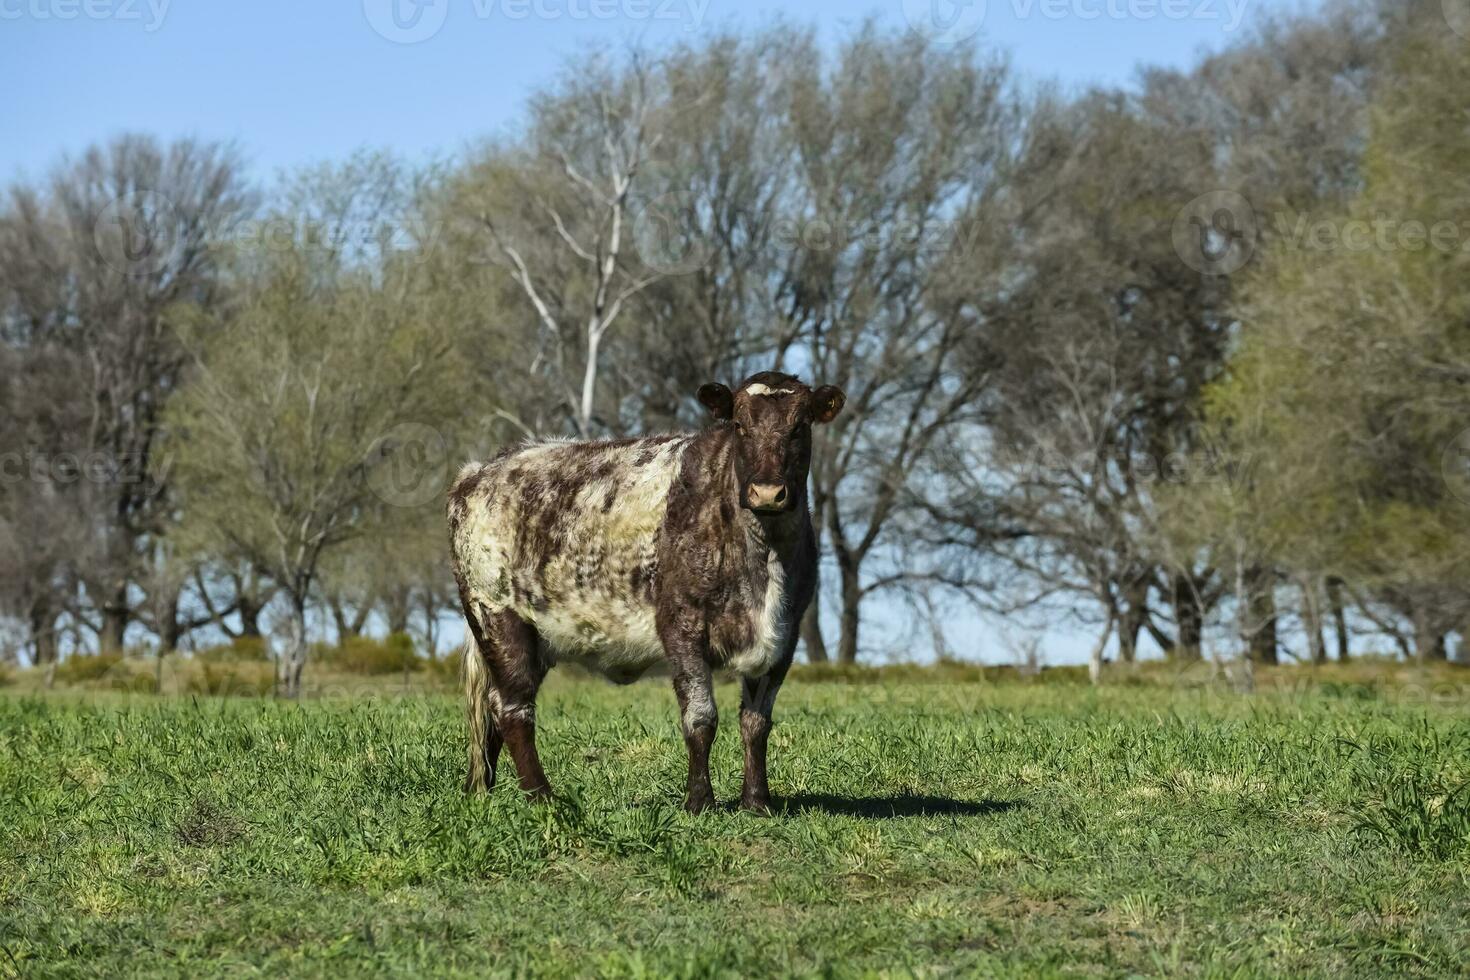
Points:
x=699 y=802
x=758 y=805
x=539 y=794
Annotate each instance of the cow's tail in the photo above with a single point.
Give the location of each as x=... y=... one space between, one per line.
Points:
x=479 y=695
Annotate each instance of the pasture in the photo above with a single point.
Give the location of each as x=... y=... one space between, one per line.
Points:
x=926 y=824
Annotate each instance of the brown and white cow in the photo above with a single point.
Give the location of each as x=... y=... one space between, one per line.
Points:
x=696 y=549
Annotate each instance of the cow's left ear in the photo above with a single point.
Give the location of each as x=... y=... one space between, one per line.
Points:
x=717 y=398
x=827 y=401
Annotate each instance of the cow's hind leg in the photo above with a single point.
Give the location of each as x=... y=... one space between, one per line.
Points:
x=482 y=707
x=517 y=669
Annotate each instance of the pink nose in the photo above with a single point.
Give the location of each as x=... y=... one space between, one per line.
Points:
x=766 y=496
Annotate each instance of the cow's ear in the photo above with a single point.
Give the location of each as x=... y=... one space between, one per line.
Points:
x=827 y=401
x=717 y=398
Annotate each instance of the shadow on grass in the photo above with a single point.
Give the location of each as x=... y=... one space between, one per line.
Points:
x=886 y=807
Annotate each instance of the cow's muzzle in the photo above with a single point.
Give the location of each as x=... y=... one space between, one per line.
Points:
x=767 y=498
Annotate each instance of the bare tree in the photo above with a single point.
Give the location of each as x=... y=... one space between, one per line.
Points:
x=94 y=262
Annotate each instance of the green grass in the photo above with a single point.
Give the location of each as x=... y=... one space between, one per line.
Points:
x=1000 y=829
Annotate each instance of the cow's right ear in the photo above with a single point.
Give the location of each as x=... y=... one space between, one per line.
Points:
x=717 y=398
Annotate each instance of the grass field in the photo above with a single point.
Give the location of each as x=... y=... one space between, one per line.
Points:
x=925 y=825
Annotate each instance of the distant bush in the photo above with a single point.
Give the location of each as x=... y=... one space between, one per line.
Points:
x=242 y=649
x=81 y=668
x=446 y=669
x=140 y=681
x=226 y=679
x=394 y=654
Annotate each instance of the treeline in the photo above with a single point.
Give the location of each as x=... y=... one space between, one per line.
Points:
x=1186 y=360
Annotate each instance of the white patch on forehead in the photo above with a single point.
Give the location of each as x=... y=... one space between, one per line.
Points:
x=760 y=389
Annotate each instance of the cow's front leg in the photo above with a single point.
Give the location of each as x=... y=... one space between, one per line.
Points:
x=697 y=714
x=757 y=699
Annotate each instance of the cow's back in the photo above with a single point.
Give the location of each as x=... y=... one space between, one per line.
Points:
x=565 y=535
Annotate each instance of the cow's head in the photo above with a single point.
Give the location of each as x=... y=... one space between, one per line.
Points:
x=772 y=415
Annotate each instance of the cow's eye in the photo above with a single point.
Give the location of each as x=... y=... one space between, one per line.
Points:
x=739 y=426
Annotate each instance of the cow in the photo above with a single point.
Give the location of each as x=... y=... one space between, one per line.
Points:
x=693 y=549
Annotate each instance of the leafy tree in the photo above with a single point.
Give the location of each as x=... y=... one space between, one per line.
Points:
x=322 y=403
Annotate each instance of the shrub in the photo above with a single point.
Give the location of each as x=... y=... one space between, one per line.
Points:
x=242 y=649
x=446 y=669
x=80 y=668
x=369 y=655
x=229 y=679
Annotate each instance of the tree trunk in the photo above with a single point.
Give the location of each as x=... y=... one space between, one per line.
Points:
x=115 y=617
x=847 y=640
x=1095 y=660
x=1128 y=630
x=1312 y=620
x=43 y=634
x=1260 y=623
x=431 y=625
x=1429 y=638
x=348 y=627
x=249 y=616
x=171 y=630
x=1130 y=623
x=1339 y=617
x=293 y=658
x=811 y=635
x=1189 y=617
x=396 y=609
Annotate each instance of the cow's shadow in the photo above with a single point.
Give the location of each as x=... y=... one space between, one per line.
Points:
x=888 y=807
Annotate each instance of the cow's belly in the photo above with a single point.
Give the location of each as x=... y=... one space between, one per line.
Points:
x=620 y=640
x=612 y=638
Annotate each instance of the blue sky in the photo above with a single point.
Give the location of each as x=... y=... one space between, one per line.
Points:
x=297 y=82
